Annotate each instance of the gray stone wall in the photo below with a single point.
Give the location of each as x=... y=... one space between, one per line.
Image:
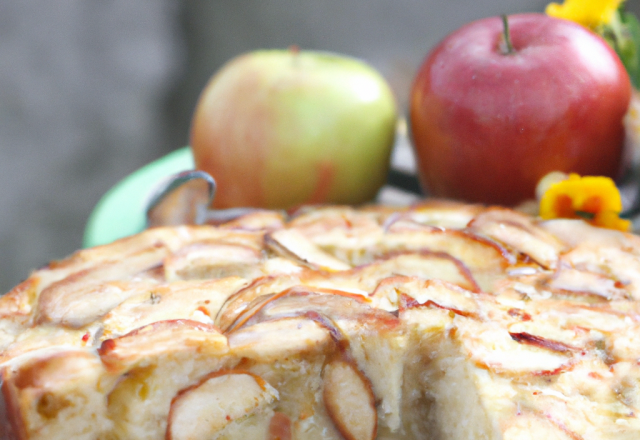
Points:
x=82 y=91
x=92 y=90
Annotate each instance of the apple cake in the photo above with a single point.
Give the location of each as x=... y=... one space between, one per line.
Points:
x=441 y=321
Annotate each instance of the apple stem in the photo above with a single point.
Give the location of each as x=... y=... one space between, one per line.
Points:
x=295 y=49
x=295 y=52
x=506 y=47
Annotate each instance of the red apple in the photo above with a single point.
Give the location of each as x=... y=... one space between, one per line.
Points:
x=487 y=124
x=279 y=128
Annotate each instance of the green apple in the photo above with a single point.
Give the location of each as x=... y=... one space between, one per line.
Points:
x=280 y=128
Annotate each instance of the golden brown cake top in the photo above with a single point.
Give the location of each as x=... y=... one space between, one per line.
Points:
x=548 y=311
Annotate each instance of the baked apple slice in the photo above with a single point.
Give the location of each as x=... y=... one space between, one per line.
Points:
x=237 y=303
x=163 y=338
x=212 y=259
x=279 y=338
x=87 y=295
x=520 y=233
x=220 y=399
x=350 y=401
x=486 y=259
x=192 y=300
x=589 y=286
x=512 y=354
x=442 y=213
x=621 y=264
x=408 y=292
x=258 y=220
x=291 y=242
x=364 y=279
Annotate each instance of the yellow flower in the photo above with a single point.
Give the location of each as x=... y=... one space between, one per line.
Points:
x=594 y=199
x=589 y=13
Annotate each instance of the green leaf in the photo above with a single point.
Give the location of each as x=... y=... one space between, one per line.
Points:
x=623 y=34
x=632 y=51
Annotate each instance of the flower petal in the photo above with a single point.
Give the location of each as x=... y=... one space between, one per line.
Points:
x=595 y=199
x=589 y=13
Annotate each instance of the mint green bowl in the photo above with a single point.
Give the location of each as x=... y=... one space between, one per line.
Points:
x=121 y=211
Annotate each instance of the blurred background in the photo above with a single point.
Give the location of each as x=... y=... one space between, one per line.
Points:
x=92 y=90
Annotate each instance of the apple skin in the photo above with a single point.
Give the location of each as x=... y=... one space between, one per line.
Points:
x=487 y=126
x=280 y=128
